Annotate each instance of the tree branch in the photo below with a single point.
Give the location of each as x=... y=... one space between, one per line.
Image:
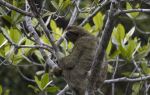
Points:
x=25 y=77
x=100 y=52
x=125 y=79
x=132 y=10
x=62 y=92
x=38 y=41
x=46 y=30
x=29 y=27
x=72 y=20
x=95 y=12
x=3 y=3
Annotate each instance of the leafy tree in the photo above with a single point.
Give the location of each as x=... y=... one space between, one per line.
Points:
x=31 y=41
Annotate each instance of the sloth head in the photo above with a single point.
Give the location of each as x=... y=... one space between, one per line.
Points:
x=75 y=32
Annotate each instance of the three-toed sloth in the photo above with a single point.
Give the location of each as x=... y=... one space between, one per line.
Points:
x=76 y=65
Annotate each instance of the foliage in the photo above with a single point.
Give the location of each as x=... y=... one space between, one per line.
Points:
x=20 y=55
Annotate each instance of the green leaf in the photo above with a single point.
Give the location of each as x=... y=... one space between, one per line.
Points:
x=43 y=83
x=96 y=1
x=40 y=72
x=7 y=49
x=136 y=74
x=7 y=92
x=145 y=68
x=18 y=18
x=54 y=3
x=127 y=74
x=53 y=25
x=66 y=3
x=52 y=89
x=57 y=33
x=128 y=6
x=15 y=34
x=138 y=45
x=27 y=50
x=123 y=51
x=36 y=90
x=128 y=49
x=132 y=45
x=142 y=52
x=120 y=39
x=64 y=46
x=2 y=39
x=45 y=39
x=118 y=34
x=56 y=30
x=110 y=68
x=38 y=82
x=17 y=57
x=109 y=48
x=44 y=80
x=12 y=54
x=98 y=20
x=87 y=27
x=14 y=2
x=136 y=88
x=2 y=51
x=34 y=22
x=8 y=18
x=114 y=54
x=121 y=29
x=60 y=3
x=133 y=14
x=2 y=11
x=129 y=34
x=38 y=54
x=1 y=90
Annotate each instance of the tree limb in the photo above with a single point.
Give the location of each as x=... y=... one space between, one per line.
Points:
x=100 y=52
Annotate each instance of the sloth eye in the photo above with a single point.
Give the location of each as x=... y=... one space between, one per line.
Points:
x=71 y=34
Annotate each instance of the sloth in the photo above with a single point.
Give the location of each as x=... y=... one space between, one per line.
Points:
x=74 y=67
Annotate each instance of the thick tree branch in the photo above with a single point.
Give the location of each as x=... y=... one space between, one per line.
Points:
x=46 y=30
x=100 y=52
x=28 y=25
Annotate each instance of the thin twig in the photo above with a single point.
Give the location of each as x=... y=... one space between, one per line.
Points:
x=72 y=20
x=25 y=77
x=62 y=92
x=113 y=76
x=25 y=46
x=125 y=79
x=27 y=59
x=2 y=2
x=132 y=10
x=95 y=12
x=74 y=14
